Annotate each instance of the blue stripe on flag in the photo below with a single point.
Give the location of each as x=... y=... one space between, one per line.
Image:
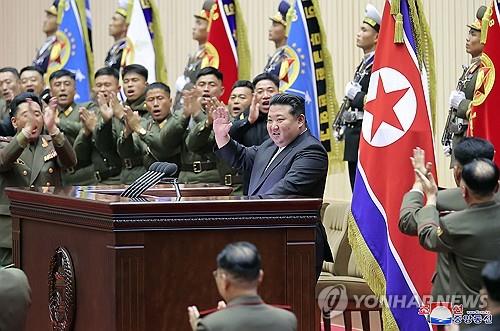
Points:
x=372 y=225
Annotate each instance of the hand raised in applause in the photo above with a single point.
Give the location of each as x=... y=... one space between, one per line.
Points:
x=221 y=126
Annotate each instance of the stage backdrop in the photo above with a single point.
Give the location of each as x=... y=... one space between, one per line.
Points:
x=21 y=33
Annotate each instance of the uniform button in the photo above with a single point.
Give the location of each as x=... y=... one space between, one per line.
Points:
x=32 y=186
x=105 y=160
x=48 y=184
x=25 y=173
x=51 y=170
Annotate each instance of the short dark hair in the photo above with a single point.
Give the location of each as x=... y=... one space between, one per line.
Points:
x=210 y=71
x=267 y=76
x=241 y=260
x=11 y=70
x=243 y=83
x=158 y=85
x=31 y=68
x=481 y=176
x=61 y=73
x=137 y=69
x=471 y=148
x=107 y=71
x=295 y=101
x=491 y=279
x=20 y=99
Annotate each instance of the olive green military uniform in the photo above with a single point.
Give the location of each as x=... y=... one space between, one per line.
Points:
x=248 y=313
x=161 y=142
x=198 y=161
x=106 y=137
x=70 y=124
x=23 y=164
x=15 y=299
x=468 y=237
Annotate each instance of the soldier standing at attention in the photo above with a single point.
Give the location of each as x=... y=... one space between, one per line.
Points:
x=461 y=98
x=355 y=90
x=195 y=61
x=118 y=30
x=50 y=27
x=278 y=35
x=30 y=158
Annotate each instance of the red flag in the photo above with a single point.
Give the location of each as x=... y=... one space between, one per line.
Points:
x=484 y=116
x=396 y=120
x=221 y=48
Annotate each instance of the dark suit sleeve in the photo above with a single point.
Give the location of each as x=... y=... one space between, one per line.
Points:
x=239 y=128
x=238 y=156
x=309 y=165
x=432 y=232
x=412 y=204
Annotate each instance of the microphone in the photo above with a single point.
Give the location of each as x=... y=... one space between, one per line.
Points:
x=156 y=172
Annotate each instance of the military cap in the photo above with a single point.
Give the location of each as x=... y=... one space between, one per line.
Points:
x=205 y=10
x=372 y=17
x=280 y=16
x=52 y=10
x=479 y=17
x=122 y=8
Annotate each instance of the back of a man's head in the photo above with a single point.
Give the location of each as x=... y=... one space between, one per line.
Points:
x=471 y=148
x=491 y=280
x=241 y=260
x=481 y=177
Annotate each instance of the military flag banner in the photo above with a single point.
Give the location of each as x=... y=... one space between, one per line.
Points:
x=71 y=50
x=307 y=71
x=144 y=40
x=397 y=119
x=227 y=46
x=484 y=117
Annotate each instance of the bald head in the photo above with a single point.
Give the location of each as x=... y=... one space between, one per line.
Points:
x=481 y=177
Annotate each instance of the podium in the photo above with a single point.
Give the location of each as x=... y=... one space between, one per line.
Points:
x=98 y=261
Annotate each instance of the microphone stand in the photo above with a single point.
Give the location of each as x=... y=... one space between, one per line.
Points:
x=174 y=182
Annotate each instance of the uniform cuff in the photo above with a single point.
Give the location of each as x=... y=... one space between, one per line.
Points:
x=22 y=139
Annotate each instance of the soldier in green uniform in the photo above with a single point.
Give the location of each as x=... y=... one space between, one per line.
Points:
x=198 y=161
x=30 y=158
x=238 y=276
x=10 y=85
x=448 y=200
x=158 y=138
x=469 y=237
x=198 y=59
x=118 y=30
x=461 y=98
x=63 y=88
x=102 y=163
x=15 y=299
x=278 y=35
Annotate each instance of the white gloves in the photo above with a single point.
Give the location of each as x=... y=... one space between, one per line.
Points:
x=455 y=98
x=181 y=82
x=351 y=89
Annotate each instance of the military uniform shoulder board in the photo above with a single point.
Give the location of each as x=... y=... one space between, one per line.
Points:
x=5 y=139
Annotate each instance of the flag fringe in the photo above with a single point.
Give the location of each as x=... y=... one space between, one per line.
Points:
x=485 y=23
x=82 y=12
x=335 y=156
x=160 y=68
x=243 y=48
x=425 y=50
x=370 y=269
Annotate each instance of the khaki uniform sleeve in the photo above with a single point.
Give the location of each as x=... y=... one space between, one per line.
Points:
x=431 y=232
x=65 y=153
x=11 y=152
x=412 y=203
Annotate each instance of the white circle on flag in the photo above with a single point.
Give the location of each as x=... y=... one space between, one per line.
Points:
x=405 y=109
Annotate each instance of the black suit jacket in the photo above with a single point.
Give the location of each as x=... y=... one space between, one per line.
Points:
x=299 y=169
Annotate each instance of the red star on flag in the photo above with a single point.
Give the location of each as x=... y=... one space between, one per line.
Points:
x=382 y=107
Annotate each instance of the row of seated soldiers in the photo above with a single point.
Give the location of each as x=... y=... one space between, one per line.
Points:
x=116 y=142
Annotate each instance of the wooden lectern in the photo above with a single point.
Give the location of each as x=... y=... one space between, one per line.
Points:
x=97 y=261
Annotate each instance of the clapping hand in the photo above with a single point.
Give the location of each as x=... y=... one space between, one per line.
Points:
x=50 y=118
x=88 y=119
x=253 y=113
x=104 y=107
